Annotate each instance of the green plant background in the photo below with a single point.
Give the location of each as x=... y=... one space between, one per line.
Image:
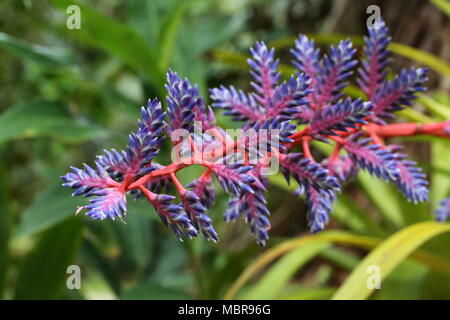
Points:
x=66 y=94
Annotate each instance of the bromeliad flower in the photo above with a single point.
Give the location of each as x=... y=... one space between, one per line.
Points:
x=279 y=122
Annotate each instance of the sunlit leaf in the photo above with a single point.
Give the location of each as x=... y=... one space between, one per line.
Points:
x=387 y=256
x=277 y=276
x=433 y=261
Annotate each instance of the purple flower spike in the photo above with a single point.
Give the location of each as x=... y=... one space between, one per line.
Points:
x=289 y=98
x=443 y=212
x=197 y=213
x=182 y=100
x=394 y=95
x=411 y=180
x=114 y=162
x=233 y=178
x=342 y=168
x=336 y=71
x=380 y=162
x=111 y=204
x=204 y=189
x=340 y=116
x=265 y=138
x=239 y=105
x=264 y=71
x=373 y=70
x=307 y=172
x=172 y=215
x=88 y=181
x=144 y=145
x=320 y=206
x=307 y=60
x=253 y=207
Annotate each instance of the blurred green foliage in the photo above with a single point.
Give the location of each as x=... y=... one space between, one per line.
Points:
x=66 y=94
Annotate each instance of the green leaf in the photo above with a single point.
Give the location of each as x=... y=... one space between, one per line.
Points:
x=96 y=258
x=341 y=258
x=42 y=274
x=440 y=153
x=433 y=261
x=387 y=256
x=438 y=109
x=384 y=197
x=120 y=40
x=443 y=5
x=276 y=278
x=348 y=212
x=169 y=32
x=51 y=207
x=419 y=56
x=5 y=228
x=144 y=18
x=152 y=291
x=135 y=239
x=50 y=57
x=38 y=118
x=306 y=294
x=404 y=283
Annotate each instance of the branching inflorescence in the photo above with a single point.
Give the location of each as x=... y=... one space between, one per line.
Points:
x=308 y=106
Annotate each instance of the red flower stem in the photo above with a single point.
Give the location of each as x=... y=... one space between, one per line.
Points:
x=377 y=132
x=147 y=193
x=335 y=154
x=305 y=147
x=181 y=190
x=409 y=129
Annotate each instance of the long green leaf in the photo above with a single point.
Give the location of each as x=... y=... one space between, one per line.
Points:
x=118 y=39
x=143 y=17
x=440 y=153
x=443 y=5
x=135 y=240
x=387 y=256
x=169 y=32
x=438 y=109
x=383 y=197
x=50 y=208
x=42 y=274
x=50 y=57
x=39 y=118
x=433 y=261
x=306 y=294
x=404 y=283
x=276 y=278
x=154 y=291
x=5 y=228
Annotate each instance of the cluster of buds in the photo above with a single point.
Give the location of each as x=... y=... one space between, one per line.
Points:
x=308 y=106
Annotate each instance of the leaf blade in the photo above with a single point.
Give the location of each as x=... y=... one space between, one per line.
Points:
x=387 y=256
